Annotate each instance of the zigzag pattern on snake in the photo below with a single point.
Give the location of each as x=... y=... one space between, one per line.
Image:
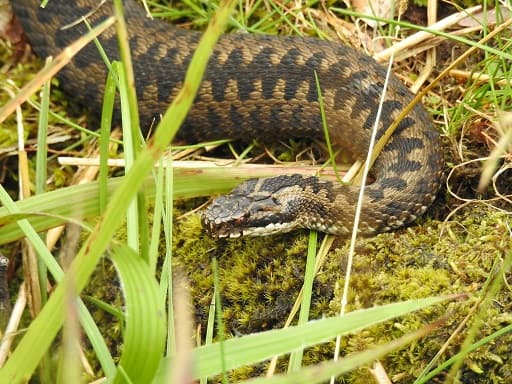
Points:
x=259 y=86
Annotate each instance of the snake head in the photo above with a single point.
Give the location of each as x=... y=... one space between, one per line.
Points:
x=257 y=207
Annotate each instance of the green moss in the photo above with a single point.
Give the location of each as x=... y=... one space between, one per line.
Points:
x=260 y=280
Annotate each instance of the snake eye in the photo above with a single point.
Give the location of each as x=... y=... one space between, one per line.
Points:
x=267 y=204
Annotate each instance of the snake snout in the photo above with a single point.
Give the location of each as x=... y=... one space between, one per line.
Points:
x=246 y=214
x=225 y=216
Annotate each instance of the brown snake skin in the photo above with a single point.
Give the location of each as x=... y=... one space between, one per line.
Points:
x=263 y=87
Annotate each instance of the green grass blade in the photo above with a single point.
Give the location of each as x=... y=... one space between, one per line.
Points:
x=41 y=172
x=82 y=201
x=42 y=134
x=45 y=327
x=321 y=373
x=49 y=209
x=144 y=336
x=307 y=292
x=166 y=279
x=257 y=347
x=221 y=332
x=158 y=210
x=428 y=376
x=105 y=129
x=96 y=339
x=51 y=264
x=129 y=109
x=209 y=331
x=130 y=152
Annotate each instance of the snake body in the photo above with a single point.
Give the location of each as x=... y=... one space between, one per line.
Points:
x=259 y=86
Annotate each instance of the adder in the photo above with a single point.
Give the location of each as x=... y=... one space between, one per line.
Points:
x=259 y=86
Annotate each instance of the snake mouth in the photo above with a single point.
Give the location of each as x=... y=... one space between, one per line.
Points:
x=220 y=222
x=232 y=230
x=241 y=213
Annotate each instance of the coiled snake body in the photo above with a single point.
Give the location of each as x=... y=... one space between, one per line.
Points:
x=263 y=87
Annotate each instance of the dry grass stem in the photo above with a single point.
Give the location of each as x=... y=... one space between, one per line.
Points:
x=476 y=77
x=419 y=37
x=51 y=70
x=431 y=53
x=13 y=324
x=379 y=373
x=270 y=169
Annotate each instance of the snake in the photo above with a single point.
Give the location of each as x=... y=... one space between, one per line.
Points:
x=262 y=87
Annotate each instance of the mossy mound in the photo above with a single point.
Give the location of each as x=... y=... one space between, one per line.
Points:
x=260 y=279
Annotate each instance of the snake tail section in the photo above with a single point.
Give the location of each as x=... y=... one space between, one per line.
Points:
x=261 y=87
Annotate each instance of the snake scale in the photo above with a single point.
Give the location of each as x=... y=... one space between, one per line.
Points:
x=259 y=86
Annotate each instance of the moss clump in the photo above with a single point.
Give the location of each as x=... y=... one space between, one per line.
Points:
x=260 y=280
